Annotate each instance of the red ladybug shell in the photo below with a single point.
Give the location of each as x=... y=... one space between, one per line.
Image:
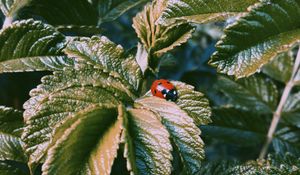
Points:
x=164 y=89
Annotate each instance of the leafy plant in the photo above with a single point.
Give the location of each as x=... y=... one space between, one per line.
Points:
x=95 y=111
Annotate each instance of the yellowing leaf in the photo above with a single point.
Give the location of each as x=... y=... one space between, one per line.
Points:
x=147 y=144
x=156 y=38
x=85 y=143
x=184 y=133
x=63 y=94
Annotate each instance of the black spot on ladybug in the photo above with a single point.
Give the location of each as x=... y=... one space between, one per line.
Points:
x=155 y=91
x=168 y=82
x=159 y=83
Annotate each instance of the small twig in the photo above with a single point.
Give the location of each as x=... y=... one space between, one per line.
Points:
x=277 y=115
x=276 y=118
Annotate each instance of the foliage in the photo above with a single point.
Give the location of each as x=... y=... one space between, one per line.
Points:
x=11 y=145
x=203 y=11
x=245 y=57
x=273 y=165
x=30 y=46
x=94 y=114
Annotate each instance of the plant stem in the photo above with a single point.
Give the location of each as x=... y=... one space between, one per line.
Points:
x=276 y=118
x=277 y=115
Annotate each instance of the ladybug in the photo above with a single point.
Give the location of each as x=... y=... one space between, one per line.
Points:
x=164 y=89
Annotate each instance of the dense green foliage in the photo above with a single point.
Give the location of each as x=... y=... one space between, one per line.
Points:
x=94 y=114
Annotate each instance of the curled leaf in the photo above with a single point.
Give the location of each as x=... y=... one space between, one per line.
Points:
x=156 y=38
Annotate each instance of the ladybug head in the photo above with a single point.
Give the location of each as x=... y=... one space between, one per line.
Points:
x=172 y=95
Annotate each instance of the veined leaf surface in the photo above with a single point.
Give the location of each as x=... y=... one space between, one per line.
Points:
x=147 y=144
x=11 y=145
x=159 y=39
x=31 y=46
x=63 y=94
x=271 y=27
x=184 y=133
x=194 y=103
x=109 y=10
x=203 y=11
x=253 y=93
x=85 y=143
x=104 y=54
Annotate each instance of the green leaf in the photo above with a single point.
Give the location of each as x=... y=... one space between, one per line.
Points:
x=82 y=30
x=270 y=28
x=194 y=103
x=287 y=160
x=63 y=94
x=11 y=148
x=297 y=78
x=217 y=167
x=184 y=133
x=11 y=121
x=31 y=46
x=281 y=68
x=273 y=165
x=147 y=144
x=10 y=7
x=248 y=129
x=62 y=12
x=11 y=145
x=253 y=93
x=85 y=143
x=291 y=110
x=203 y=11
x=36 y=63
x=8 y=168
x=110 y=10
x=286 y=139
x=105 y=55
x=239 y=127
x=156 y=38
